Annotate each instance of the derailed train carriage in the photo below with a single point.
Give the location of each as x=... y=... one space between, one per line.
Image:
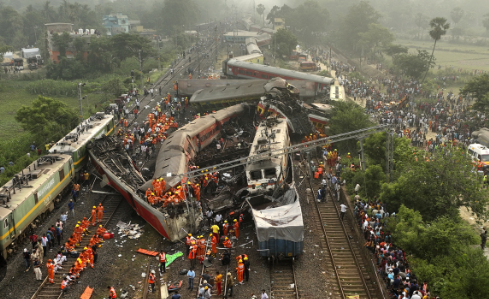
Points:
x=116 y=168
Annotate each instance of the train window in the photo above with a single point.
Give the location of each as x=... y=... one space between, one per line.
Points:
x=249 y=74
x=36 y=198
x=61 y=174
x=264 y=76
x=5 y=223
x=241 y=71
x=255 y=175
x=269 y=173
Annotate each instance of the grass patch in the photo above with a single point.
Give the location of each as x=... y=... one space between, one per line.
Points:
x=465 y=56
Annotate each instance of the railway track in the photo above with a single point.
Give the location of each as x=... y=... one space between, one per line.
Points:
x=47 y=290
x=343 y=258
x=282 y=281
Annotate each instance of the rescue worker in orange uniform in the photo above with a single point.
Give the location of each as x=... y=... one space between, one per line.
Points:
x=240 y=271
x=201 y=249
x=236 y=228
x=148 y=192
x=214 y=242
x=162 y=185
x=85 y=224
x=162 y=262
x=78 y=232
x=241 y=218
x=112 y=293
x=227 y=243
x=196 y=188
x=100 y=213
x=192 y=254
x=50 y=267
x=188 y=242
x=225 y=228
x=101 y=231
x=151 y=280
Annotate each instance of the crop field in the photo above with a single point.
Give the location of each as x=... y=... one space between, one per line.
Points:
x=13 y=96
x=464 y=56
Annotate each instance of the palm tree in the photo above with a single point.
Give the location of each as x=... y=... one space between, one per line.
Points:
x=439 y=27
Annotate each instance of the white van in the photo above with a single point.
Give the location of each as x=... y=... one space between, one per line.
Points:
x=479 y=152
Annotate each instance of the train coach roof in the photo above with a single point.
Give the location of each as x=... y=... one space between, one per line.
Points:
x=83 y=133
x=227 y=92
x=279 y=71
x=4 y=213
x=42 y=183
x=280 y=223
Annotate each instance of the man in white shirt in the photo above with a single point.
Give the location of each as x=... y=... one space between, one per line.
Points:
x=264 y=294
x=343 y=208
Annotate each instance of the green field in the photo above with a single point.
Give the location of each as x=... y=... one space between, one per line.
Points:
x=465 y=56
x=13 y=96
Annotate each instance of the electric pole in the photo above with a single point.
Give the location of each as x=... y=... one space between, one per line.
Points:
x=141 y=69
x=80 y=100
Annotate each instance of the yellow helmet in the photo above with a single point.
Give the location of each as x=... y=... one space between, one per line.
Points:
x=240 y=261
x=190 y=235
x=225 y=221
x=85 y=248
x=210 y=235
x=152 y=193
x=77 y=225
x=78 y=222
x=94 y=207
x=79 y=260
x=245 y=258
x=100 y=225
x=235 y=220
x=226 y=238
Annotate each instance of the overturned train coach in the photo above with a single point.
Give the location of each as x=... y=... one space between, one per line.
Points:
x=30 y=196
x=118 y=170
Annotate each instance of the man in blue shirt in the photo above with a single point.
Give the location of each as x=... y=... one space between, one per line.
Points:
x=191 y=276
x=176 y=295
x=71 y=206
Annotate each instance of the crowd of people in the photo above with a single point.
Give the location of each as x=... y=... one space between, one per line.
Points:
x=85 y=256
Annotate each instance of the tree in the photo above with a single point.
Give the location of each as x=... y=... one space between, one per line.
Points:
x=478 y=87
x=279 y=12
x=62 y=42
x=375 y=37
x=112 y=87
x=309 y=20
x=457 y=14
x=413 y=65
x=347 y=117
x=178 y=14
x=45 y=116
x=127 y=45
x=393 y=50
x=438 y=187
x=439 y=27
x=260 y=9
x=356 y=21
x=3 y=49
x=485 y=22
x=285 y=42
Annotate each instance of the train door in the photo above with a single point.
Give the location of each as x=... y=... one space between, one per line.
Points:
x=61 y=174
x=36 y=198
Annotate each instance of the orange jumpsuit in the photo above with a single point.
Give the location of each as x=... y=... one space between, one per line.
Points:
x=240 y=272
x=236 y=229
x=163 y=185
x=50 y=272
x=214 y=244
x=100 y=213
x=94 y=216
x=225 y=229
x=148 y=192
x=197 y=192
x=101 y=231
x=227 y=243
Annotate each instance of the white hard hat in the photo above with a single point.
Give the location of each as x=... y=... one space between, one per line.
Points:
x=153 y=271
